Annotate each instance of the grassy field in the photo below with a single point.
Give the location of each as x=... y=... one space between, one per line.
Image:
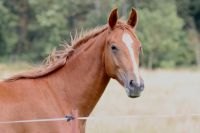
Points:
x=167 y=92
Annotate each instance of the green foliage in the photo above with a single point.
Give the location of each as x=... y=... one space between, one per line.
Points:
x=8 y=35
x=49 y=23
x=163 y=39
x=189 y=10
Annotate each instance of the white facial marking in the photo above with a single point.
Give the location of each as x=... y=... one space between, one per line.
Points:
x=126 y=38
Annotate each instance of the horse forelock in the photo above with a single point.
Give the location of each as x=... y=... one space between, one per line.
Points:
x=58 y=58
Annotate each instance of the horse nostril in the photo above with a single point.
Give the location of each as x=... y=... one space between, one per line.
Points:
x=131 y=83
x=135 y=85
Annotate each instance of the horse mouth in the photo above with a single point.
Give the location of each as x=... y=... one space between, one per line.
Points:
x=134 y=96
x=132 y=93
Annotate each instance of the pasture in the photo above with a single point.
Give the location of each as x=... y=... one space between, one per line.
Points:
x=167 y=92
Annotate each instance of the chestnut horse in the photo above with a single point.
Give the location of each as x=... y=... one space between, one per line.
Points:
x=73 y=78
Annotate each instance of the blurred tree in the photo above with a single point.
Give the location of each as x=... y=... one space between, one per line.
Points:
x=29 y=29
x=189 y=10
x=8 y=30
x=54 y=20
x=163 y=39
x=21 y=9
x=40 y=25
x=159 y=29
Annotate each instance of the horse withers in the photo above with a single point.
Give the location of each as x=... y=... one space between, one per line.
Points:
x=73 y=78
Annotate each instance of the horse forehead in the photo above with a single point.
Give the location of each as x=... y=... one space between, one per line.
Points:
x=126 y=38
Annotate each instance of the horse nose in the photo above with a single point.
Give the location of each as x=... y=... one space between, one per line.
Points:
x=136 y=85
x=133 y=84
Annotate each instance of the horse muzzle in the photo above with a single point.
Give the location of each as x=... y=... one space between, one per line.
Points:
x=134 y=89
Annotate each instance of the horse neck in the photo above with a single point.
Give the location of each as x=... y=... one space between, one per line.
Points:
x=83 y=79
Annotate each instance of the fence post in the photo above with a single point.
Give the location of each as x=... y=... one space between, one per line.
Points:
x=75 y=125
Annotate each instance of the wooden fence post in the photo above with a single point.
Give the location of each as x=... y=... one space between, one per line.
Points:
x=75 y=125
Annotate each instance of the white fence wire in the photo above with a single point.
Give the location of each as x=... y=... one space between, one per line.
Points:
x=69 y=118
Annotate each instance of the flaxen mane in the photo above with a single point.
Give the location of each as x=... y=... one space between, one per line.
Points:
x=58 y=58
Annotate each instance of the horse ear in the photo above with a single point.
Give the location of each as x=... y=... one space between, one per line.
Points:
x=132 y=20
x=113 y=18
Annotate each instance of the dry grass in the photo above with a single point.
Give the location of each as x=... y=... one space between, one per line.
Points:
x=9 y=69
x=168 y=92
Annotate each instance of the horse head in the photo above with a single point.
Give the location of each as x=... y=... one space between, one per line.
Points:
x=122 y=53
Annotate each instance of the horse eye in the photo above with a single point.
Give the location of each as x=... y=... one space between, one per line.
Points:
x=114 y=48
x=140 y=50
